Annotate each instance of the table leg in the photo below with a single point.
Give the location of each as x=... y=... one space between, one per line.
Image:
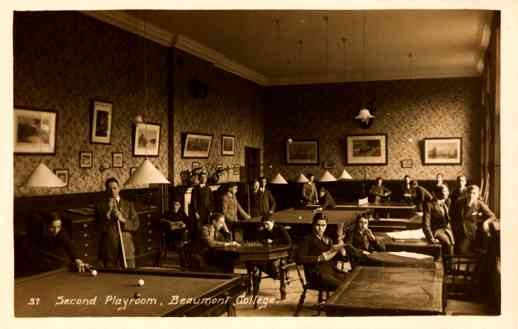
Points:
x=283 y=274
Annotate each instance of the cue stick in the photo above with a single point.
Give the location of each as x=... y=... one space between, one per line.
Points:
x=121 y=239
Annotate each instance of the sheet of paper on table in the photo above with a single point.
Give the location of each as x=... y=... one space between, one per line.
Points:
x=407 y=234
x=412 y=255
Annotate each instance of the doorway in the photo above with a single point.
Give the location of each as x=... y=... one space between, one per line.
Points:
x=252 y=163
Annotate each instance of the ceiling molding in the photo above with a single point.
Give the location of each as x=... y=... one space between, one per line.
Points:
x=149 y=31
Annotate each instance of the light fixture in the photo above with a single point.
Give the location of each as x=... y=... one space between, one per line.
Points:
x=327 y=177
x=364 y=115
x=302 y=179
x=42 y=176
x=345 y=175
x=278 y=179
x=146 y=173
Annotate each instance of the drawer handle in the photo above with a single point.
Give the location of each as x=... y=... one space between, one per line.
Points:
x=86 y=254
x=85 y=235
x=150 y=231
x=149 y=248
x=148 y=223
x=86 y=245
x=149 y=240
x=85 y=225
x=148 y=215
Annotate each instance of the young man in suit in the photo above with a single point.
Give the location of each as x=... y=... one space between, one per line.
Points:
x=309 y=191
x=378 y=192
x=316 y=254
x=420 y=196
x=437 y=220
x=471 y=221
x=326 y=200
x=232 y=209
x=202 y=201
x=262 y=202
x=111 y=212
x=55 y=249
x=361 y=241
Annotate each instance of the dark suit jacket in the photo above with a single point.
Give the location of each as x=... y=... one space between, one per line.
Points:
x=327 y=202
x=467 y=219
x=420 y=197
x=377 y=193
x=209 y=238
x=109 y=245
x=261 y=203
x=308 y=252
x=435 y=217
x=279 y=235
x=54 y=252
x=357 y=241
x=202 y=202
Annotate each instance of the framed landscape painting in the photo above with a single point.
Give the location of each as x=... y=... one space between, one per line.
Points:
x=196 y=145
x=34 y=131
x=442 y=151
x=302 y=152
x=366 y=149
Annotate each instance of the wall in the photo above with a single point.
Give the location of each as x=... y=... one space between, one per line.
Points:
x=407 y=111
x=63 y=61
x=233 y=106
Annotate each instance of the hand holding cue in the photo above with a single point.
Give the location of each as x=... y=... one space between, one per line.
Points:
x=121 y=240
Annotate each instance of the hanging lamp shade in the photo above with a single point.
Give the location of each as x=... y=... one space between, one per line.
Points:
x=345 y=175
x=327 y=177
x=42 y=176
x=278 y=179
x=145 y=174
x=364 y=115
x=302 y=179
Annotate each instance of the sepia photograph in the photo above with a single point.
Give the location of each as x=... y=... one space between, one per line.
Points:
x=360 y=162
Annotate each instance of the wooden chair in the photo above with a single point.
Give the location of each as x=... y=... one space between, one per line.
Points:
x=323 y=294
x=462 y=276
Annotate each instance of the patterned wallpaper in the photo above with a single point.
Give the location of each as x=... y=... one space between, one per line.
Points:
x=233 y=106
x=63 y=61
x=407 y=111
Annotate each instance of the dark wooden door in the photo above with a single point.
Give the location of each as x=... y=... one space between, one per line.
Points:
x=252 y=163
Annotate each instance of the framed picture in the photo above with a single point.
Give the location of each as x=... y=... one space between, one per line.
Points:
x=85 y=159
x=442 y=151
x=147 y=139
x=117 y=159
x=302 y=152
x=34 y=131
x=132 y=170
x=228 y=145
x=407 y=163
x=196 y=145
x=62 y=174
x=366 y=149
x=101 y=122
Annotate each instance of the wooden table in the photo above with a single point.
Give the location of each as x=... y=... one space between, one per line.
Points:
x=382 y=209
x=373 y=290
x=421 y=246
x=396 y=224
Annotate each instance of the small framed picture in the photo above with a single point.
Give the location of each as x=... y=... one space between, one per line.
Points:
x=132 y=170
x=85 y=159
x=62 y=174
x=117 y=159
x=407 y=163
x=146 y=139
x=101 y=122
x=228 y=145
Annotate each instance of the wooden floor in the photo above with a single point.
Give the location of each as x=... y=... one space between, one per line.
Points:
x=269 y=296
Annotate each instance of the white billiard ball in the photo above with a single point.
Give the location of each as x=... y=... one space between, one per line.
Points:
x=140 y=282
x=300 y=217
x=93 y=272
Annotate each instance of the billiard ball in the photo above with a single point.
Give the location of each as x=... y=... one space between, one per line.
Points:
x=137 y=295
x=140 y=282
x=300 y=217
x=93 y=272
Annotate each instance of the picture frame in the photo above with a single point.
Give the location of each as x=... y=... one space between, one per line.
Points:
x=407 y=163
x=228 y=145
x=367 y=149
x=34 y=131
x=101 y=123
x=146 y=139
x=302 y=152
x=196 y=146
x=132 y=170
x=442 y=151
x=85 y=159
x=62 y=174
x=117 y=159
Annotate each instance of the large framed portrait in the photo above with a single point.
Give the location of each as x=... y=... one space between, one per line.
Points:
x=146 y=139
x=101 y=122
x=34 y=131
x=442 y=151
x=302 y=151
x=366 y=149
x=228 y=145
x=196 y=145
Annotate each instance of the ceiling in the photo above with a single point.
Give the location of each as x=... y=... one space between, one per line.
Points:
x=305 y=48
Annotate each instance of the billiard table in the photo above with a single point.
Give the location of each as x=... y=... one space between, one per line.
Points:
x=382 y=209
x=113 y=292
x=305 y=216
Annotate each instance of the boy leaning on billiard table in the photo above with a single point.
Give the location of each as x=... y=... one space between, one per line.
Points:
x=54 y=249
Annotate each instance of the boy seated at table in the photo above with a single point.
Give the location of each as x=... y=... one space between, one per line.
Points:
x=273 y=234
x=178 y=228
x=362 y=242
x=326 y=200
x=55 y=249
x=317 y=253
x=215 y=235
x=379 y=193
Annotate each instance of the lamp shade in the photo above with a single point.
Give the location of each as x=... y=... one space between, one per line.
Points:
x=278 y=179
x=145 y=174
x=327 y=177
x=42 y=176
x=364 y=115
x=302 y=179
x=345 y=175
